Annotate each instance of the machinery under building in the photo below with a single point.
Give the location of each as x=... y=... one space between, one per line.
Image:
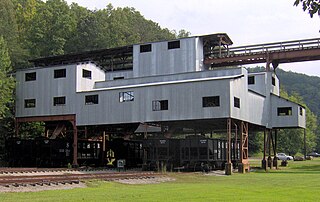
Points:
x=173 y=86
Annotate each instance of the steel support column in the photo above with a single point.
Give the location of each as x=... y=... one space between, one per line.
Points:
x=305 y=143
x=269 y=148
x=228 y=167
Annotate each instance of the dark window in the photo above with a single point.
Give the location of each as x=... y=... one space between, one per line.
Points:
x=126 y=96
x=31 y=76
x=213 y=101
x=301 y=111
x=92 y=99
x=118 y=78
x=30 y=103
x=158 y=105
x=284 y=111
x=145 y=48
x=236 y=102
x=251 y=80
x=173 y=44
x=59 y=101
x=273 y=81
x=86 y=74
x=60 y=73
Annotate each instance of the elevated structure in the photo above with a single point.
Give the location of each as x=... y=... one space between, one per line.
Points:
x=171 y=84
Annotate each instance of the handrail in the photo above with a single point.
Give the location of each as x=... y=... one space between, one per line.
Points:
x=270 y=47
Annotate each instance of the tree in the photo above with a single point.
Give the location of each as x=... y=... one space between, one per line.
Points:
x=6 y=82
x=312 y=6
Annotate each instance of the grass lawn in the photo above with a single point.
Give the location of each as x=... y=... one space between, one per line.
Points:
x=300 y=181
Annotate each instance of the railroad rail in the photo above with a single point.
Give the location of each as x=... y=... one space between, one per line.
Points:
x=271 y=53
x=69 y=178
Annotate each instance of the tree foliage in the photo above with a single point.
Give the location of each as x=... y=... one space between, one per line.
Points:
x=312 y=6
x=6 y=81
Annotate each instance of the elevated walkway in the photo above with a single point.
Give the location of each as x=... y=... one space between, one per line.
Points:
x=271 y=53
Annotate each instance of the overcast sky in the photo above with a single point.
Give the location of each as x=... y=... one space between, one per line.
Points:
x=245 y=21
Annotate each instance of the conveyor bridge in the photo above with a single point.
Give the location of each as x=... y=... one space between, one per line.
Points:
x=269 y=53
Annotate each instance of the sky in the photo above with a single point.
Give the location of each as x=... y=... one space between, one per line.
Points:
x=245 y=21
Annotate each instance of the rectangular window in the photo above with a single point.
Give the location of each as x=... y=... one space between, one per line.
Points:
x=301 y=111
x=86 y=74
x=60 y=73
x=59 y=101
x=31 y=76
x=284 y=111
x=145 y=48
x=236 y=102
x=273 y=81
x=91 y=99
x=126 y=96
x=213 y=101
x=173 y=44
x=118 y=78
x=251 y=80
x=29 y=103
x=159 y=105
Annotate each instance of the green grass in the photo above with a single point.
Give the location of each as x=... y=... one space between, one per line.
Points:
x=300 y=181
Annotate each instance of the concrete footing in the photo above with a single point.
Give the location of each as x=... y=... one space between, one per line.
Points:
x=264 y=164
x=228 y=168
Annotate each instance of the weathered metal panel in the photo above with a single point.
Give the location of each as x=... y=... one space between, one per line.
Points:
x=294 y=119
x=162 y=61
x=43 y=89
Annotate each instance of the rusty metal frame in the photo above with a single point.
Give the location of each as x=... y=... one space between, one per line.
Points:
x=70 y=117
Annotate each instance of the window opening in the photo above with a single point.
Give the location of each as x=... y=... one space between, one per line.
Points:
x=251 y=80
x=86 y=74
x=60 y=73
x=59 y=101
x=173 y=44
x=159 y=105
x=145 y=48
x=30 y=103
x=126 y=96
x=92 y=99
x=284 y=111
x=31 y=76
x=236 y=102
x=212 y=101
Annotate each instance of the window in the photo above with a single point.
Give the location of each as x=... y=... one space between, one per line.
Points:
x=251 y=80
x=213 y=101
x=284 y=111
x=145 y=48
x=92 y=99
x=273 y=81
x=86 y=74
x=59 y=101
x=159 y=105
x=301 y=111
x=60 y=73
x=236 y=102
x=173 y=44
x=118 y=78
x=30 y=103
x=126 y=96
x=31 y=76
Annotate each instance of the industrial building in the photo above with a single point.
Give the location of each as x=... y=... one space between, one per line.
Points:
x=166 y=84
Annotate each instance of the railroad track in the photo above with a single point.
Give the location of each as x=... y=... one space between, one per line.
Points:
x=68 y=178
